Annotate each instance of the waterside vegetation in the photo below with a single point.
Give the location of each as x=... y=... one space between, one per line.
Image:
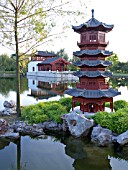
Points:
x=117 y=121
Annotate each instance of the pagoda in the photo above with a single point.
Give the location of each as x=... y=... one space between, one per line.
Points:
x=92 y=91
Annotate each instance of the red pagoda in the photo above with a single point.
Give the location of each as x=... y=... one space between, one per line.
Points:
x=92 y=91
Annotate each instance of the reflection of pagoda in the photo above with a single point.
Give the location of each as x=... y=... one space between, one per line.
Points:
x=92 y=92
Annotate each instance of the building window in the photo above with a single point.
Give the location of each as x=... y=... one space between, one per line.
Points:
x=33 y=68
x=33 y=82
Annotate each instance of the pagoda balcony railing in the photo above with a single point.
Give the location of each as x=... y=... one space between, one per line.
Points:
x=92 y=87
x=92 y=42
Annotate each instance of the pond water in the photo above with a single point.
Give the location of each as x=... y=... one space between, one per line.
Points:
x=61 y=152
x=34 y=91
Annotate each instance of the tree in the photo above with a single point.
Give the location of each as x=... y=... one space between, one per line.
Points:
x=7 y=63
x=63 y=54
x=25 y=24
x=114 y=58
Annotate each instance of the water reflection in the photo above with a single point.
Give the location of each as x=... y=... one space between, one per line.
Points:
x=62 y=153
x=43 y=88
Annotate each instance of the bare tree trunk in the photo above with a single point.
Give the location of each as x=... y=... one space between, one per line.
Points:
x=17 y=70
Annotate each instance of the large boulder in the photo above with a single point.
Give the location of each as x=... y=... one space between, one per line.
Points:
x=101 y=136
x=77 y=124
x=121 y=139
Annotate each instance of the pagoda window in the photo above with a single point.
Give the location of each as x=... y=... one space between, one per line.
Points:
x=102 y=37
x=83 y=38
x=93 y=38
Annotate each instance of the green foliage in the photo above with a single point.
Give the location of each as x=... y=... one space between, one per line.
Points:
x=119 y=104
x=63 y=54
x=71 y=67
x=107 y=104
x=43 y=111
x=117 y=122
x=67 y=102
x=102 y=118
x=7 y=63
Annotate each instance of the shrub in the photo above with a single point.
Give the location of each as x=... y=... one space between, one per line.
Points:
x=119 y=104
x=116 y=122
x=67 y=102
x=43 y=111
x=102 y=118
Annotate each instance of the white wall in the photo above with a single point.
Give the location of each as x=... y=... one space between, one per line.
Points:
x=33 y=64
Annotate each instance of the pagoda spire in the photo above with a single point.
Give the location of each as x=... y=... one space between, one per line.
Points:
x=92 y=13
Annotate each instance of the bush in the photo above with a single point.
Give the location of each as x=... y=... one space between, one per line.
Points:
x=117 y=122
x=119 y=104
x=42 y=112
x=67 y=102
x=102 y=118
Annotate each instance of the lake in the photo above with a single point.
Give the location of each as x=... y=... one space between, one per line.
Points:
x=59 y=152
x=34 y=91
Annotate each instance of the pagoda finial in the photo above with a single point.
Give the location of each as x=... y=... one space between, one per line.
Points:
x=92 y=13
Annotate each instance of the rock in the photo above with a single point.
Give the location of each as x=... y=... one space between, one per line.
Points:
x=10 y=135
x=22 y=127
x=9 y=111
x=78 y=125
x=4 y=126
x=121 y=139
x=52 y=126
x=9 y=104
x=101 y=136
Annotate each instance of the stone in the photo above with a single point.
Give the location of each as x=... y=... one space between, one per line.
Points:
x=101 y=136
x=4 y=126
x=10 y=135
x=121 y=139
x=78 y=125
x=52 y=126
x=9 y=111
x=9 y=104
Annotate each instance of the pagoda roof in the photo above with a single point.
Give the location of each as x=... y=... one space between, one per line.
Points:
x=93 y=63
x=96 y=73
x=93 y=24
x=92 y=93
x=45 y=54
x=92 y=52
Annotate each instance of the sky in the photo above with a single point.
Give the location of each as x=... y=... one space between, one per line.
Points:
x=109 y=12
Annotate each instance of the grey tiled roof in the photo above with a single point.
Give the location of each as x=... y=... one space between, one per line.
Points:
x=92 y=52
x=92 y=93
x=93 y=23
x=45 y=54
x=48 y=61
x=93 y=63
x=96 y=73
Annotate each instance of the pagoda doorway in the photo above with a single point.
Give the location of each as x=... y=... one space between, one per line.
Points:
x=91 y=108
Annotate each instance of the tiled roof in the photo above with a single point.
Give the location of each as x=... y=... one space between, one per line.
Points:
x=92 y=52
x=92 y=93
x=45 y=54
x=91 y=24
x=96 y=73
x=92 y=63
x=48 y=61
